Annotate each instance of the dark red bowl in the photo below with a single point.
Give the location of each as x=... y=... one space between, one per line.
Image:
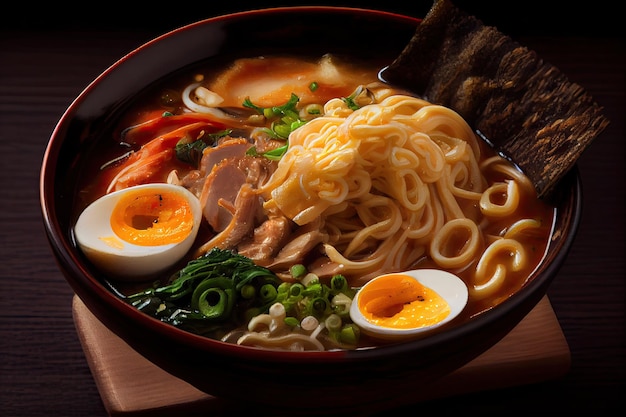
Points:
x=341 y=380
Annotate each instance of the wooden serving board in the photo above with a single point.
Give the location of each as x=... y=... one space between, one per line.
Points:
x=130 y=385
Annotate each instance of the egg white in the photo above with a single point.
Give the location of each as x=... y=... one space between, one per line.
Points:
x=449 y=287
x=123 y=259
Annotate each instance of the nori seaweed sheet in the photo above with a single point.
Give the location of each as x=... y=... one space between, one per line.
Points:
x=526 y=108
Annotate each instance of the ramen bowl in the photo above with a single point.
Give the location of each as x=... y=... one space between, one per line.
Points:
x=341 y=380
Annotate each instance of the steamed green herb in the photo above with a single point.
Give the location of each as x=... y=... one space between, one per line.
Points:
x=222 y=290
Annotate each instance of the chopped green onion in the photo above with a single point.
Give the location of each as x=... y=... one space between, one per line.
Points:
x=216 y=303
x=314 y=109
x=309 y=278
x=318 y=307
x=248 y=291
x=296 y=290
x=291 y=321
x=208 y=283
x=298 y=271
x=351 y=103
x=314 y=289
x=338 y=283
x=285 y=119
x=349 y=334
x=268 y=293
x=333 y=322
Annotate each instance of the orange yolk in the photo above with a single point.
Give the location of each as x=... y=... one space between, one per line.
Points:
x=152 y=218
x=400 y=302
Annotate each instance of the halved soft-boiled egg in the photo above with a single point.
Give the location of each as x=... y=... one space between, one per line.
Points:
x=138 y=231
x=406 y=304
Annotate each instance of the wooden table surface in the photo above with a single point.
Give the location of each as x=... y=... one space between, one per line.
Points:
x=44 y=66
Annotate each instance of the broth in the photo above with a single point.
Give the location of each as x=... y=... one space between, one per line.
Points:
x=461 y=179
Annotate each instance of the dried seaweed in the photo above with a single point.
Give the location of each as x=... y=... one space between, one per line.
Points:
x=526 y=108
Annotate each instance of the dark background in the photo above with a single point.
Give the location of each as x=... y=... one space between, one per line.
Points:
x=558 y=17
x=49 y=52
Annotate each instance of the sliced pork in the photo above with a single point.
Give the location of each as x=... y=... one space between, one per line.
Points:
x=267 y=240
x=246 y=208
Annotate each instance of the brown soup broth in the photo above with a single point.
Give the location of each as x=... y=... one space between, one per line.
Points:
x=165 y=97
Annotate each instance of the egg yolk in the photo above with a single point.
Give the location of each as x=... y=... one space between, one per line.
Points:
x=400 y=302
x=152 y=218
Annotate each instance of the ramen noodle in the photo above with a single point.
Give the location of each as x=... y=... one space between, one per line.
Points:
x=381 y=182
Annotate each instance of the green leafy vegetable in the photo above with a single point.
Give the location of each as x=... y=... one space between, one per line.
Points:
x=274 y=154
x=285 y=119
x=351 y=102
x=215 y=288
x=223 y=290
x=361 y=96
x=191 y=153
